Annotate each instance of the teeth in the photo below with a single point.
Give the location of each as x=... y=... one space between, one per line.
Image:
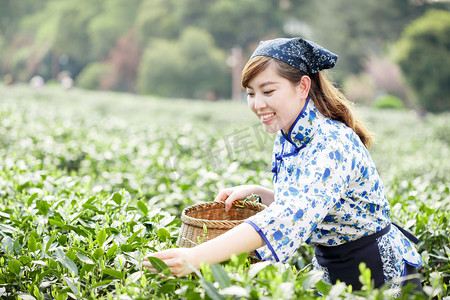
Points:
x=264 y=117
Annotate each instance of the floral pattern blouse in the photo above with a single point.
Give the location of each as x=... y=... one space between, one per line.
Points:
x=327 y=192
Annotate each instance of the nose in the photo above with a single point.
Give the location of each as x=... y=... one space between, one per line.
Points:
x=259 y=102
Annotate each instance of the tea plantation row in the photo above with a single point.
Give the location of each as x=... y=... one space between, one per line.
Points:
x=91 y=182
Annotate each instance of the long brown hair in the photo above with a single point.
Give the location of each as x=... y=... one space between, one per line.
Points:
x=328 y=99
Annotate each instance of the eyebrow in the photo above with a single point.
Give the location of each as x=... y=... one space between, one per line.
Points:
x=263 y=84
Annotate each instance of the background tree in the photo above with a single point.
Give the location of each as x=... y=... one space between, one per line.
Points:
x=424 y=56
x=89 y=39
x=189 y=67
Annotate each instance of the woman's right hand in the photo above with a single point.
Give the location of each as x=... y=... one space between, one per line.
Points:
x=229 y=195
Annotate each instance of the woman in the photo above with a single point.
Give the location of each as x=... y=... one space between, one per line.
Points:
x=326 y=192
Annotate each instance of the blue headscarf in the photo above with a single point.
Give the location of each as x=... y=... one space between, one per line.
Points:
x=299 y=53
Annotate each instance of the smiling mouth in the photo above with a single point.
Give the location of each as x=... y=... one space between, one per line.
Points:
x=267 y=116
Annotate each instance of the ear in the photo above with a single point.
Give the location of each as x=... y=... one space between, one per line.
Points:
x=303 y=86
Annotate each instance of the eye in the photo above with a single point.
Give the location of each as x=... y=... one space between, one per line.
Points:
x=268 y=93
x=250 y=94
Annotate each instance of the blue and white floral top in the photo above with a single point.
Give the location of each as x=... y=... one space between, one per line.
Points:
x=327 y=192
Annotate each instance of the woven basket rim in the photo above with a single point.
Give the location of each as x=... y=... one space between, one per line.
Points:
x=217 y=224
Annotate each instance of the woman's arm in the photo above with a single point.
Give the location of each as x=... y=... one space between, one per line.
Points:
x=242 y=238
x=229 y=195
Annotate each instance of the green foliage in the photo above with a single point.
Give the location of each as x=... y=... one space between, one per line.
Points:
x=424 y=56
x=89 y=32
x=189 y=67
x=91 y=76
x=90 y=183
x=388 y=101
x=115 y=19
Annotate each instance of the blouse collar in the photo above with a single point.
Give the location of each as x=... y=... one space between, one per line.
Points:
x=304 y=126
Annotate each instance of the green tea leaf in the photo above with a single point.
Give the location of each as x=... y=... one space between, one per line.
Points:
x=65 y=261
x=50 y=241
x=101 y=284
x=30 y=200
x=101 y=237
x=83 y=258
x=210 y=290
x=14 y=266
x=141 y=205
x=256 y=268
x=220 y=275
x=117 y=198
x=71 y=285
x=158 y=264
x=25 y=297
x=134 y=235
x=113 y=273
x=85 y=269
x=98 y=253
x=8 y=244
x=32 y=244
x=56 y=223
x=163 y=234
x=43 y=206
x=4 y=215
x=112 y=250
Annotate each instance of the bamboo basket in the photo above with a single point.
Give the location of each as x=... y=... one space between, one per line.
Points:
x=205 y=221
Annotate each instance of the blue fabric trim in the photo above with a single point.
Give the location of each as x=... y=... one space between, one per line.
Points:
x=257 y=255
x=405 y=273
x=264 y=238
x=412 y=264
x=288 y=136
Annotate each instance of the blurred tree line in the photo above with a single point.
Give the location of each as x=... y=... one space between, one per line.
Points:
x=181 y=48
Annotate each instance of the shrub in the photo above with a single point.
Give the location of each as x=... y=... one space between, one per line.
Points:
x=388 y=101
x=190 y=67
x=424 y=57
x=91 y=76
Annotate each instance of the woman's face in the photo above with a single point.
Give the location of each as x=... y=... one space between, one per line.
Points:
x=275 y=100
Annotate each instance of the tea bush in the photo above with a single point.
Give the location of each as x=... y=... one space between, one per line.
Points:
x=90 y=183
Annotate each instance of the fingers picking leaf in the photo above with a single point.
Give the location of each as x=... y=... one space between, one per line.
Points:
x=158 y=264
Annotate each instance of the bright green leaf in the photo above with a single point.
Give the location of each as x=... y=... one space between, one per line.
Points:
x=32 y=244
x=134 y=235
x=163 y=234
x=14 y=266
x=117 y=198
x=85 y=269
x=158 y=264
x=142 y=207
x=114 y=273
x=101 y=284
x=98 y=253
x=112 y=250
x=50 y=241
x=30 y=200
x=101 y=237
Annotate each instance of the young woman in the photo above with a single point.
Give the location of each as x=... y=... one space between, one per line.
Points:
x=326 y=189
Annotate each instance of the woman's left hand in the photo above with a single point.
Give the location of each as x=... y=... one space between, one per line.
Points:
x=177 y=259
